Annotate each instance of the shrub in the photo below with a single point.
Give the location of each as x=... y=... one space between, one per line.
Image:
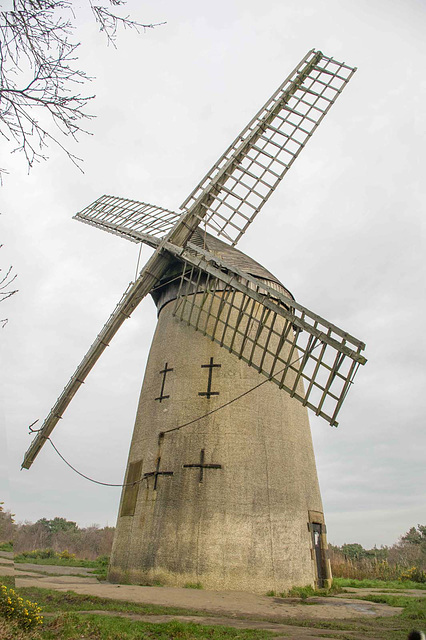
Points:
x=13 y=607
x=66 y=555
x=38 y=553
x=366 y=568
x=10 y=631
x=414 y=573
x=102 y=561
x=300 y=592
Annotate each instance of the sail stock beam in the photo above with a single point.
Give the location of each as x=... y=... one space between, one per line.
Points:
x=243 y=179
x=235 y=189
x=227 y=200
x=135 y=292
x=305 y=355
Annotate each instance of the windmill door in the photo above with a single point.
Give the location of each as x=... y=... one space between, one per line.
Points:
x=319 y=554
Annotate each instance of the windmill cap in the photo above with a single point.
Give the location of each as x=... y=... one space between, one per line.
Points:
x=230 y=255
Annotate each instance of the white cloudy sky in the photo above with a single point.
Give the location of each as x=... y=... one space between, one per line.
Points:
x=344 y=232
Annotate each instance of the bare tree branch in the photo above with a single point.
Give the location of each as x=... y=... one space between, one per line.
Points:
x=5 y=288
x=39 y=74
x=109 y=22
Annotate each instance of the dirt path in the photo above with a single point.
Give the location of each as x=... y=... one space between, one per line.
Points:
x=7 y=566
x=288 y=631
x=233 y=604
x=235 y=609
x=52 y=569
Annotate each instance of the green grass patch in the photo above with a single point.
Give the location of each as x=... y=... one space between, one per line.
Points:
x=99 y=566
x=72 y=626
x=71 y=620
x=8 y=581
x=414 y=608
x=380 y=628
x=60 y=562
x=6 y=546
x=299 y=592
x=307 y=592
x=193 y=585
x=9 y=630
x=40 y=572
x=55 y=601
x=101 y=575
x=397 y=585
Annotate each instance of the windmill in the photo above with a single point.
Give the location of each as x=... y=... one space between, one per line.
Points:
x=221 y=485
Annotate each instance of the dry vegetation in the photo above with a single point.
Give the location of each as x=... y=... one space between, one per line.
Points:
x=58 y=535
x=405 y=560
x=62 y=535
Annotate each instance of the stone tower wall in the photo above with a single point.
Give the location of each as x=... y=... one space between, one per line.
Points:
x=243 y=526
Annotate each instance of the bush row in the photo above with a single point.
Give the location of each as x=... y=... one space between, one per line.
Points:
x=364 y=569
x=62 y=557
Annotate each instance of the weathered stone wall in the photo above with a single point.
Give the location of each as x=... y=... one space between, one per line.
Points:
x=243 y=526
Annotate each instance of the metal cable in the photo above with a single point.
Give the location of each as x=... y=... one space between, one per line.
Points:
x=105 y=484
x=163 y=433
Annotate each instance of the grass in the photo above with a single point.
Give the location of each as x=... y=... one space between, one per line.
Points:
x=386 y=628
x=309 y=592
x=60 y=562
x=54 y=601
x=193 y=585
x=11 y=631
x=105 y=628
x=306 y=592
x=6 y=546
x=68 y=621
x=414 y=608
x=9 y=581
x=99 y=566
x=397 y=585
x=72 y=626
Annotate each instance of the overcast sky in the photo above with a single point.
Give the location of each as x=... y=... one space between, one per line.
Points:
x=344 y=232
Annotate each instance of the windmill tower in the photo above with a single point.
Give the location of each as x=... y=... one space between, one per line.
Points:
x=221 y=486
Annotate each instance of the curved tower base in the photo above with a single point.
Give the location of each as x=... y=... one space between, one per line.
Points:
x=230 y=501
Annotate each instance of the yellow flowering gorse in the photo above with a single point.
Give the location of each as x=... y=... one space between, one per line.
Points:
x=27 y=614
x=414 y=574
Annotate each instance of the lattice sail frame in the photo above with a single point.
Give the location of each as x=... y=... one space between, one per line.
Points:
x=131 y=219
x=304 y=354
x=235 y=189
x=257 y=167
x=249 y=171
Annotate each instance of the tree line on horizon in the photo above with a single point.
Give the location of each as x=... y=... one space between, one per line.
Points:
x=407 y=557
x=57 y=534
